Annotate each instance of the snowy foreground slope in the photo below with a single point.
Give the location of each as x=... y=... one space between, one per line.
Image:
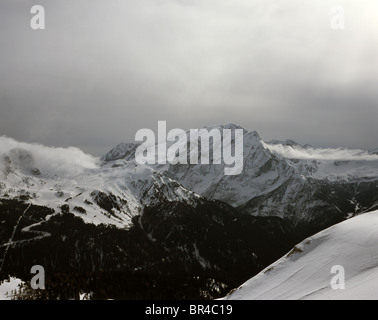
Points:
x=9 y=287
x=305 y=272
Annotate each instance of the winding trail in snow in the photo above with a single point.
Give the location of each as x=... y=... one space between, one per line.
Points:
x=12 y=237
x=11 y=242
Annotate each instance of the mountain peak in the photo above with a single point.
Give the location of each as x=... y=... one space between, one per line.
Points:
x=287 y=142
x=373 y=151
x=120 y=151
x=231 y=126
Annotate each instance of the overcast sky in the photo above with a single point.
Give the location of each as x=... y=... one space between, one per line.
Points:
x=103 y=69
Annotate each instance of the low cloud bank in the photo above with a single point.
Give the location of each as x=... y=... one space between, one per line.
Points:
x=298 y=152
x=69 y=161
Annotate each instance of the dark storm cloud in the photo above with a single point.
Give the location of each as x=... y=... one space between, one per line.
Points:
x=104 y=69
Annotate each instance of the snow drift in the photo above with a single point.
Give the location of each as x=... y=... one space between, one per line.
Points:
x=305 y=272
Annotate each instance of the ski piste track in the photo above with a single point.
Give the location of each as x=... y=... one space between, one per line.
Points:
x=11 y=242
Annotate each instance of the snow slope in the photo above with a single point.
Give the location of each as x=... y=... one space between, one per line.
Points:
x=9 y=287
x=305 y=272
x=110 y=193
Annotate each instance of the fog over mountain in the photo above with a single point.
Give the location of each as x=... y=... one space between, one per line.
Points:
x=310 y=153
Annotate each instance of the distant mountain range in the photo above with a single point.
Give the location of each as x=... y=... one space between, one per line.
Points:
x=170 y=231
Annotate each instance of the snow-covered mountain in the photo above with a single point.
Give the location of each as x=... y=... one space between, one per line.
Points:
x=311 y=188
x=74 y=213
x=262 y=172
x=110 y=193
x=345 y=254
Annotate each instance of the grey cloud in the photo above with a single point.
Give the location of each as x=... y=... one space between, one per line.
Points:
x=102 y=70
